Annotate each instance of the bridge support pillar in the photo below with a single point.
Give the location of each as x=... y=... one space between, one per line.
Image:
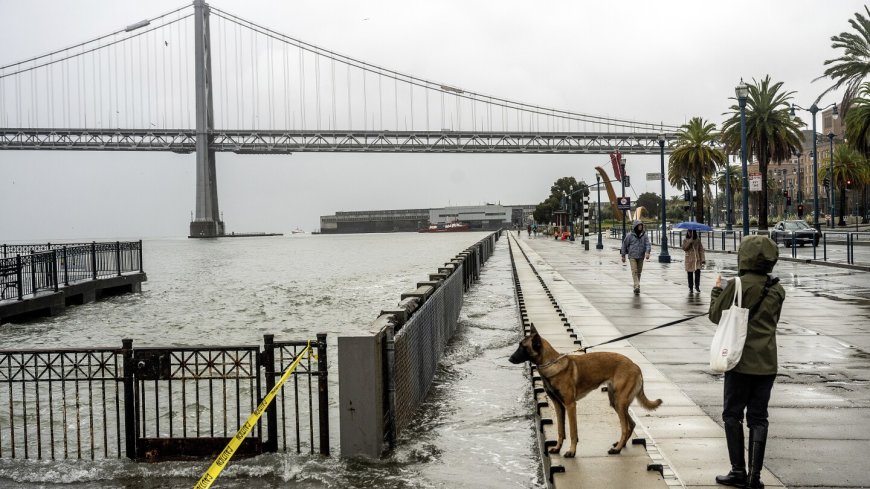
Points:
x=207 y=223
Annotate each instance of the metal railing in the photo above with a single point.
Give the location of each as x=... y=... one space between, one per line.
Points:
x=283 y=423
x=157 y=403
x=36 y=268
x=418 y=347
x=386 y=374
x=832 y=247
x=65 y=403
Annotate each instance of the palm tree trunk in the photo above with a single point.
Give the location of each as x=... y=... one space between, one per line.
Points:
x=699 y=192
x=762 y=207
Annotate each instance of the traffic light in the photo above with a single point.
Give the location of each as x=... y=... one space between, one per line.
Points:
x=787 y=200
x=801 y=211
x=849 y=184
x=784 y=193
x=687 y=196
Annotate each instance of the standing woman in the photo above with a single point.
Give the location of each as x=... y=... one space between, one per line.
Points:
x=694 y=259
x=748 y=384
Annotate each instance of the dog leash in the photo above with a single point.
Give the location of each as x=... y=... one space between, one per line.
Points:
x=624 y=337
x=770 y=282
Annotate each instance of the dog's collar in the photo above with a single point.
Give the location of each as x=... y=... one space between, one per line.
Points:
x=551 y=362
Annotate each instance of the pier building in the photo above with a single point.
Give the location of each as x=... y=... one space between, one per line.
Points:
x=487 y=217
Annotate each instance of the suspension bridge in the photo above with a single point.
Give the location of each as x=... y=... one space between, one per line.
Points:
x=200 y=80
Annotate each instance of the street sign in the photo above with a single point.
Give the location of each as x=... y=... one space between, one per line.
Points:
x=755 y=182
x=627 y=181
x=623 y=203
x=653 y=176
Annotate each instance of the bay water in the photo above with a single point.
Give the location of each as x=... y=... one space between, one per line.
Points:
x=475 y=429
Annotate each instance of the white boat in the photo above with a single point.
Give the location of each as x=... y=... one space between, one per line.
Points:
x=297 y=231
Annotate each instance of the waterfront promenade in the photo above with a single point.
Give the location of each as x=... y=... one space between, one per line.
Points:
x=820 y=406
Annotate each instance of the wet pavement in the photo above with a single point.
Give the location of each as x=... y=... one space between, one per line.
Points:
x=820 y=406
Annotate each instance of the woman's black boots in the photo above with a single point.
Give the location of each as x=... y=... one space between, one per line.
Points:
x=757 y=442
x=734 y=437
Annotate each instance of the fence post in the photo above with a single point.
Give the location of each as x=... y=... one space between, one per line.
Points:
x=323 y=394
x=54 y=268
x=140 y=256
x=32 y=273
x=390 y=347
x=94 y=258
x=65 y=269
x=118 y=256
x=849 y=249
x=129 y=400
x=271 y=444
x=20 y=282
x=825 y=246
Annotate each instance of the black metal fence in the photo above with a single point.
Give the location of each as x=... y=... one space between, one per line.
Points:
x=387 y=372
x=833 y=246
x=30 y=269
x=159 y=403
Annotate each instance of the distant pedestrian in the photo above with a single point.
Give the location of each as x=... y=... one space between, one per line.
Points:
x=535 y=229
x=748 y=384
x=528 y=230
x=694 y=259
x=637 y=246
x=519 y=230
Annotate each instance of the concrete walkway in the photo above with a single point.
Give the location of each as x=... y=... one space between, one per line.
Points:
x=597 y=424
x=820 y=408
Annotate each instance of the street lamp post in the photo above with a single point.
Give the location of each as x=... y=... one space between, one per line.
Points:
x=800 y=193
x=600 y=245
x=664 y=257
x=742 y=91
x=813 y=110
x=831 y=179
x=729 y=204
x=718 y=175
x=571 y=211
x=622 y=177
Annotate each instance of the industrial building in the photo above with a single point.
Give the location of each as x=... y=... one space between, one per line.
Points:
x=486 y=217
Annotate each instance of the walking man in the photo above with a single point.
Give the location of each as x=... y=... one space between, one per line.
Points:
x=637 y=246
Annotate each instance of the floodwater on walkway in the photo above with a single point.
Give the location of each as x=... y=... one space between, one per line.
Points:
x=475 y=430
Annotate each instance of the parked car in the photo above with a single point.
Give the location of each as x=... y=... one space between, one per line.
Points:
x=799 y=231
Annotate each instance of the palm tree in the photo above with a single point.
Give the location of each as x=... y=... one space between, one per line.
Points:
x=695 y=159
x=858 y=121
x=853 y=65
x=858 y=132
x=849 y=166
x=772 y=135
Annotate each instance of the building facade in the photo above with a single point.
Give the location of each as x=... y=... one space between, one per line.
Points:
x=487 y=217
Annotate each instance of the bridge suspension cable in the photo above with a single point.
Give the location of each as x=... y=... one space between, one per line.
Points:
x=551 y=114
x=121 y=79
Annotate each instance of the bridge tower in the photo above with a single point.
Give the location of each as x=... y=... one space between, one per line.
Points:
x=207 y=222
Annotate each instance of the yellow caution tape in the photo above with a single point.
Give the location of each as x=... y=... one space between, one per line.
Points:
x=223 y=459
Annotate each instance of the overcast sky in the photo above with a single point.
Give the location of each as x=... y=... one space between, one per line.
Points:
x=651 y=61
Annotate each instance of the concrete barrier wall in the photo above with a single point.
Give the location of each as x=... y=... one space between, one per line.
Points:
x=385 y=375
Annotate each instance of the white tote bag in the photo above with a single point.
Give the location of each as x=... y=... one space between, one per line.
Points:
x=727 y=346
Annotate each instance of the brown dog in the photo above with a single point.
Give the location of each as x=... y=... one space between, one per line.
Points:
x=568 y=378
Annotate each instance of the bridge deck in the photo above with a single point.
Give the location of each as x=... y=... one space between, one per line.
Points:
x=348 y=141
